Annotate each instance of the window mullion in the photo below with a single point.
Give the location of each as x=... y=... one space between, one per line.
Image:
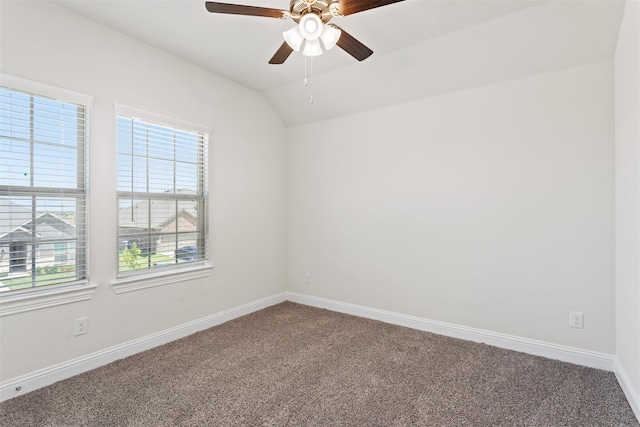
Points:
x=32 y=183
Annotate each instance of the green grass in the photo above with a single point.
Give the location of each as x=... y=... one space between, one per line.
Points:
x=143 y=261
x=68 y=276
x=43 y=279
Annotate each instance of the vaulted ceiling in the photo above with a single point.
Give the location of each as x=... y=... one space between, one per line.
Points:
x=421 y=47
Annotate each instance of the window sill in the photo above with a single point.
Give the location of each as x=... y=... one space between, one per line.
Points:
x=151 y=280
x=21 y=301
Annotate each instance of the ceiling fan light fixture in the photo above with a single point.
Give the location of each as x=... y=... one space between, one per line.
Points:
x=312 y=35
x=294 y=38
x=310 y=26
x=312 y=48
x=330 y=36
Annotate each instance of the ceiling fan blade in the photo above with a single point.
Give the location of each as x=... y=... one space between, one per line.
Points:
x=353 y=47
x=240 y=9
x=349 y=7
x=282 y=54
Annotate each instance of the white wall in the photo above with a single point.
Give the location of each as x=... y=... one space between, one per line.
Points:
x=490 y=208
x=627 y=164
x=45 y=43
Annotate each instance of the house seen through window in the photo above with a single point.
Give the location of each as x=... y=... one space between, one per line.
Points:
x=43 y=145
x=162 y=196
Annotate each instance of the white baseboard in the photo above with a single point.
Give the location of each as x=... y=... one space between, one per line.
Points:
x=52 y=374
x=538 y=348
x=627 y=387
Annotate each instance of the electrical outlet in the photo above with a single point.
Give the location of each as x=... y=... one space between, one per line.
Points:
x=81 y=326
x=576 y=319
x=307 y=278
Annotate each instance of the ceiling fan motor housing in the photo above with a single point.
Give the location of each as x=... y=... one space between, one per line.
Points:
x=324 y=9
x=313 y=15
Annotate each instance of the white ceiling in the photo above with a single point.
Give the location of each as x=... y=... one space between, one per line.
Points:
x=421 y=47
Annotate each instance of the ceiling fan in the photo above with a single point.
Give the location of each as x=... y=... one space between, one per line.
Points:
x=313 y=34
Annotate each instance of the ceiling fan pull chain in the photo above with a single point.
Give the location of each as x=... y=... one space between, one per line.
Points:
x=311 y=78
x=306 y=81
x=308 y=76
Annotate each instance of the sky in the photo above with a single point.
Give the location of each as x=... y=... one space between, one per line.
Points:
x=39 y=147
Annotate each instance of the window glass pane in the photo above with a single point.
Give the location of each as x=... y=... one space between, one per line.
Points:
x=187 y=177
x=124 y=135
x=124 y=172
x=54 y=122
x=14 y=162
x=14 y=114
x=14 y=211
x=187 y=226
x=161 y=176
x=32 y=241
x=161 y=143
x=55 y=166
x=62 y=208
x=133 y=214
x=139 y=174
x=140 y=139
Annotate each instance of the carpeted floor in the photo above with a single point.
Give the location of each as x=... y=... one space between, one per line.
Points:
x=292 y=365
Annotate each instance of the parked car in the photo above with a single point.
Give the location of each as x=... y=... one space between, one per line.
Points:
x=187 y=253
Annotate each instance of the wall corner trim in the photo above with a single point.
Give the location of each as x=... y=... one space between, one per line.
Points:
x=524 y=345
x=633 y=397
x=47 y=376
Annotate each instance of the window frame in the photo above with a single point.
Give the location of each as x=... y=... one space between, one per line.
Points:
x=38 y=297
x=155 y=276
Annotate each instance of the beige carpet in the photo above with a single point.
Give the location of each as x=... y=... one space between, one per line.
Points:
x=292 y=365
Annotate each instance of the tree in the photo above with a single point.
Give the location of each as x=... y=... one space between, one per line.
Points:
x=131 y=255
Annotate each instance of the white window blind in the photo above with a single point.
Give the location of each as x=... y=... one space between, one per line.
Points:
x=43 y=188
x=162 y=195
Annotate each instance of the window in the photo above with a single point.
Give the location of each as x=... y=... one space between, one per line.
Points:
x=43 y=189
x=162 y=194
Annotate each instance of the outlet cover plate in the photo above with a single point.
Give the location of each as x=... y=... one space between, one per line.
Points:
x=576 y=319
x=81 y=326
